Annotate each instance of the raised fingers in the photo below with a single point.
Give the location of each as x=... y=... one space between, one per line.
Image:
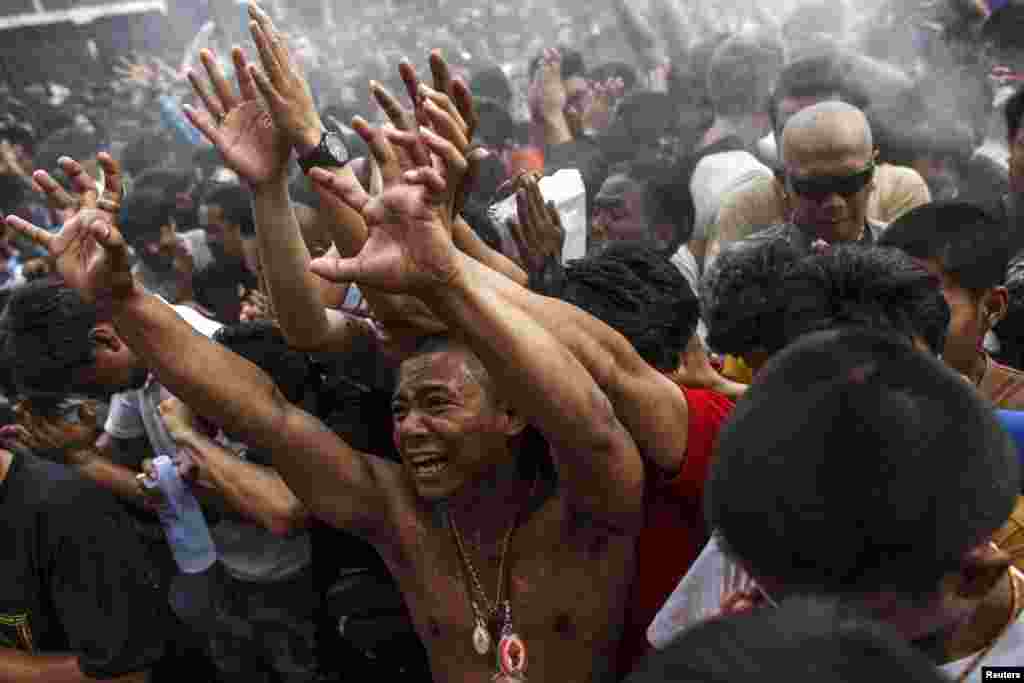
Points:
x=205 y=123
x=464 y=102
x=412 y=82
x=113 y=185
x=347 y=189
x=225 y=92
x=36 y=234
x=57 y=195
x=453 y=157
x=210 y=103
x=396 y=113
x=246 y=86
x=82 y=182
x=276 y=41
x=445 y=117
x=441 y=73
x=268 y=59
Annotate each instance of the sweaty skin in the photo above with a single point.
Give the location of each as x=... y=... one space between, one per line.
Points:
x=568 y=576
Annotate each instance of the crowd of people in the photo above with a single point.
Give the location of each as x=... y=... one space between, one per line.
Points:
x=770 y=423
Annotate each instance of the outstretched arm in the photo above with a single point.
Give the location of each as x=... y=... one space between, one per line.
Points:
x=410 y=250
x=344 y=487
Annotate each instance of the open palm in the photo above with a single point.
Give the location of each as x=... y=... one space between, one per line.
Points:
x=246 y=136
x=409 y=249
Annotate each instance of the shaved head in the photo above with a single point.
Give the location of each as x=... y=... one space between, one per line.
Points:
x=824 y=142
x=832 y=129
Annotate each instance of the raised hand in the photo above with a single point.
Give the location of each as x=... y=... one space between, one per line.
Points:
x=285 y=89
x=90 y=252
x=538 y=233
x=547 y=95
x=239 y=125
x=409 y=249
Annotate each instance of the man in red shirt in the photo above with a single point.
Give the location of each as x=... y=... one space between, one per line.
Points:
x=639 y=293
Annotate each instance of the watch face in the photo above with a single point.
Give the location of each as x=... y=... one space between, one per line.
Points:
x=336 y=147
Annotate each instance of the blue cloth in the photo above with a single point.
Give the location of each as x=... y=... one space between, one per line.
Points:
x=1013 y=423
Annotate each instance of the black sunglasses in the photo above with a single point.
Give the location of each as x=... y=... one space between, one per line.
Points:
x=819 y=187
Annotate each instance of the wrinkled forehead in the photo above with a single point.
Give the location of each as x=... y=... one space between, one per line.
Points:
x=447 y=368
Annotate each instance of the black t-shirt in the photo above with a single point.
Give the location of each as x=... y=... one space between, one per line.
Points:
x=73 y=575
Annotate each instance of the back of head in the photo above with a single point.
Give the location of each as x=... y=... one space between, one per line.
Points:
x=964 y=240
x=855 y=286
x=805 y=640
x=1004 y=28
x=492 y=83
x=603 y=72
x=143 y=213
x=741 y=74
x=638 y=292
x=46 y=327
x=742 y=298
x=234 y=200
x=817 y=76
x=856 y=465
x=262 y=343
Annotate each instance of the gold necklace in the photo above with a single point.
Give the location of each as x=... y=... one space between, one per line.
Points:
x=1013 y=573
x=481 y=634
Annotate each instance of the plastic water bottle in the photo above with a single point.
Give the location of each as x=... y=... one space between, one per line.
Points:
x=183 y=520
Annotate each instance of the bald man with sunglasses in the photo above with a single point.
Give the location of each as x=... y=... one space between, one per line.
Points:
x=829 y=167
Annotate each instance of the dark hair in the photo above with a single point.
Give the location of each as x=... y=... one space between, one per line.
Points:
x=742 y=297
x=46 y=329
x=1013 y=113
x=645 y=117
x=816 y=76
x=852 y=285
x=170 y=180
x=572 y=64
x=1003 y=27
x=262 y=343
x=1010 y=330
x=491 y=82
x=234 y=200
x=142 y=215
x=496 y=125
x=740 y=73
x=639 y=293
x=970 y=245
x=856 y=464
x=667 y=197
x=805 y=640
x=141 y=154
x=603 y=72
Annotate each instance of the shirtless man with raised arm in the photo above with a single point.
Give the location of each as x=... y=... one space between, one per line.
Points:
x=468 y=513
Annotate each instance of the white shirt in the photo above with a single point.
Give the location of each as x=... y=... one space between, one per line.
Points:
x=715 y=177
x=134 y=413
x=698 y=597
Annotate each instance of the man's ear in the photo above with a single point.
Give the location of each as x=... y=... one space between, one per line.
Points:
x=105 y=338
x=982 y=567
x=995 y=304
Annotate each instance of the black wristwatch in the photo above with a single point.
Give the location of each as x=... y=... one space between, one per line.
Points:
x=330 y=153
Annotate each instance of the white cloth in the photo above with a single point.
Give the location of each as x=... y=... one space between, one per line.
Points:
x=698 y=597
x=1008 y=651
x=134 y=413
x=715 y=178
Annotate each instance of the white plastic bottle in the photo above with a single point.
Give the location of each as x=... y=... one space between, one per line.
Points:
x=183 y=520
